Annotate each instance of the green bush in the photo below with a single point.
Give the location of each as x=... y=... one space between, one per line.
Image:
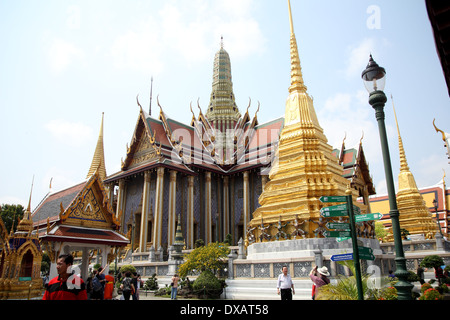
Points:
x=151 y=283
x=207 y=285
x=127 y=267
x=432 y=261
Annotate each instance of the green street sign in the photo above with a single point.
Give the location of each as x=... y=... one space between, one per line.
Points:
x=368 y=217
x=334 y=211
x=333 y=199
x=338 y=225
x=327 y=214
x=338 y=207
x=365 y=250
x=366 y=256
x=340 y=239
x=336 y=234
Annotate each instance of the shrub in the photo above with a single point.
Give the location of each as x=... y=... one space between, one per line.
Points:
x=207 y=285
x=127 y=267
x=210 y=257
x=425 y=287
x=432 y=261
x=431 y=294
x=151 y=283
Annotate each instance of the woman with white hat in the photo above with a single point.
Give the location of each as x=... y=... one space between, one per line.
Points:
x=320 y=278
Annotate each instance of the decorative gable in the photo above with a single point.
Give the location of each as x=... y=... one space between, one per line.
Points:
x=90 y=208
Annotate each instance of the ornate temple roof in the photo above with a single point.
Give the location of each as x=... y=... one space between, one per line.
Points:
x=221 y=140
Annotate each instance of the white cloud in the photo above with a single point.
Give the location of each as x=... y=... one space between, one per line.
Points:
x=74 y=134
x=192 y=31
x=62 y=53
x=74 y=17
x=138 y=50
x=359 y=56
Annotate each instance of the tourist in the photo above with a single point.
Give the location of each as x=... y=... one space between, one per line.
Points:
x=174 y=284
x=97 y=288
x=320 y=279
x=421 y=275
x=285 y=286
x=126 y=286
x=109 y=286
x=67 y=285
x=134 y=281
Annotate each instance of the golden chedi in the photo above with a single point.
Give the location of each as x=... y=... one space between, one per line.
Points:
x=304 y=170
x=413 y=213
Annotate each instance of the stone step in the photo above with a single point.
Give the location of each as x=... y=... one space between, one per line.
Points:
x=263 y=289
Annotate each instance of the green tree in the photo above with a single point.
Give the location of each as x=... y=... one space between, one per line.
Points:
x=432 y=261
x=11 y=214
x=210 y=257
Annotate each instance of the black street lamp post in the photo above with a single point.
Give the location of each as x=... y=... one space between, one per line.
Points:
x=374 y=81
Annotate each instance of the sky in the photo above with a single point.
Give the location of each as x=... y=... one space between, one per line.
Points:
x=65 y=62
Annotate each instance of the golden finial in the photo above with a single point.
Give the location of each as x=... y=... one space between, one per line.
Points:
x=98 y=161
x=297 y=83
x=403 y=162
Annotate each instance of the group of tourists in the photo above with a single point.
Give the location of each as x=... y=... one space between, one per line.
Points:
x=285 y=286
x=70 y=286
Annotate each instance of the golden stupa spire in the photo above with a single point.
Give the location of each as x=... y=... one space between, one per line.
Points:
x=403 y=163
x=414 y=214
x=299 y=105
x=297 y=83
x=304 y=168
x=98 y=161
x=26 y=224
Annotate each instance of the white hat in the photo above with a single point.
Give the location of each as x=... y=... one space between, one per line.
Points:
x=323 y=271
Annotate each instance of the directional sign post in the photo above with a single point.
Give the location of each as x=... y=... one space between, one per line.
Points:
x=366 y=253
x=342 y=257
x=338 y=225
x=337 y=234
x=355 y=245
x=326 y=199
x=344 y=231
x=334 y=211
x=368 y=217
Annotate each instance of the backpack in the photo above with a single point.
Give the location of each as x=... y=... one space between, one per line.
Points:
x=96 y=285
x=126 y=284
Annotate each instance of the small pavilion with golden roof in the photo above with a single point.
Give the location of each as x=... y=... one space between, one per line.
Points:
x=20 y=260
x=80 y=218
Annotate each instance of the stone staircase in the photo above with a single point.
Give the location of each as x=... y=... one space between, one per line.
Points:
x=263 y=289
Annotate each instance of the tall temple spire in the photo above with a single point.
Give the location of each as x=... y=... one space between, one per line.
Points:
x=304 y=168
x=297 y=83
x=222 y=111
x=98 y=161
x=403 y=163
x=414 y=214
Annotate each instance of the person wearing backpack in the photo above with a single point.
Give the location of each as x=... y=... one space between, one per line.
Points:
x=97 y=288
x=126 y=286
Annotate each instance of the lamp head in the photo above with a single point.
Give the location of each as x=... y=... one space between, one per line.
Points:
x=374 y=76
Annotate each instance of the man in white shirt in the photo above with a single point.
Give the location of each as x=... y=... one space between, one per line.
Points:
x=285 y=286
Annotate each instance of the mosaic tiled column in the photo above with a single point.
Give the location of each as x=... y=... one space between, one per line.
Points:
x=144 y=213
x=172 y=207
x=157 y=226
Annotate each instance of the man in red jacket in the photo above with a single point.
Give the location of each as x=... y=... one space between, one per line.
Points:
x=66 y=286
